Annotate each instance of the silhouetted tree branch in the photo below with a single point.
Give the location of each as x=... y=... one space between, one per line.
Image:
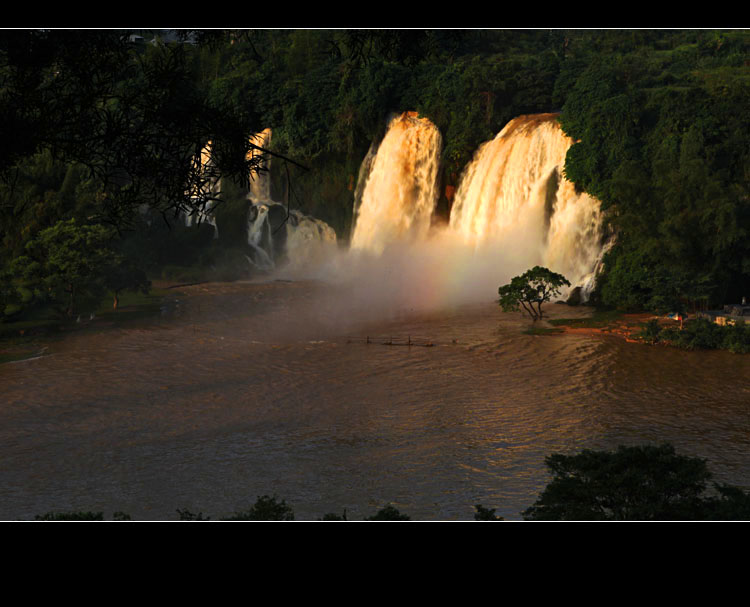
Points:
x=135 y=118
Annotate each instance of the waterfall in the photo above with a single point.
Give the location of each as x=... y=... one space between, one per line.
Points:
x=309 y=242
x=260 y=230
x=514 y=192
x=513 y=209
x=400 y=193
x=260 y=182
x=205 y=214
x=276 y=234
x=294 y=240
x=260 y=234
x=364 y=173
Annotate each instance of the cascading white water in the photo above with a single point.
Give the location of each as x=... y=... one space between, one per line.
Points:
x=275 y=232
x=362 y=178
x=513 y=210
x=514 y=191
x=309 y=241
x=259 y=229
x=299 y=240
x=260 y=236
x=400 y=193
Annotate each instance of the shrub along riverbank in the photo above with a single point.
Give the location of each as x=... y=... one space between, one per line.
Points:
x=695 y=334
x=700 y=333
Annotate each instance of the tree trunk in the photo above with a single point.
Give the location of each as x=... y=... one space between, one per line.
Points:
x=71 y=289
x=530 y=310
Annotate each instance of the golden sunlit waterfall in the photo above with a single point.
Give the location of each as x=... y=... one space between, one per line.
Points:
x=513 y=210
x=260 y=182
x=401 y=189
x=514 y=192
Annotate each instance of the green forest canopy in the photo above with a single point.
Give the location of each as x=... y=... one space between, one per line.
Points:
x=98 y=123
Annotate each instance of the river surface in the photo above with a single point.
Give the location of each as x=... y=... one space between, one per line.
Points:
x=248 y=389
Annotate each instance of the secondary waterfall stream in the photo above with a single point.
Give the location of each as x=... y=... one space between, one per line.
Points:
x=279 y=234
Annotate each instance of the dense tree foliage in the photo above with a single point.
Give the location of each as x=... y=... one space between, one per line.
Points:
x=662 y=128
x=389 y=513
x=635 y=483
x=133 y=116
x=486 y=514
x=97 y=130
x=71 y=267
x=266 y=508
x=97 y=125
x=700 y=333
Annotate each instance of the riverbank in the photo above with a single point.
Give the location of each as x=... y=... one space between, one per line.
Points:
x=697 y=333
x=600 y=322
x=614 y=323
x=33 y=337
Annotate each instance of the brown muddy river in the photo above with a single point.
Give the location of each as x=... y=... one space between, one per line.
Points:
x=271 y=388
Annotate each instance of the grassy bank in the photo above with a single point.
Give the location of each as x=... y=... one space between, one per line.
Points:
x=536 y=330
x=600 y=319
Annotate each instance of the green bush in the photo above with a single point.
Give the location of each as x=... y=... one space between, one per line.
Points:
x=266 y=508
x=389 y=513
x=332 y=516
x=736 y=338
x=700 y=333
x=651 y=331
x=485 y=514
x=186 y=515
x=635 y=483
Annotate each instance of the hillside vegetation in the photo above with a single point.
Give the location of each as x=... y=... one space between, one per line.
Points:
x=98 y=125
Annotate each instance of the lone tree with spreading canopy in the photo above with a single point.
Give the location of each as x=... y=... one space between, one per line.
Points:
x=531 y=290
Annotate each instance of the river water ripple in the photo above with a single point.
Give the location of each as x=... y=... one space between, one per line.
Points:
x=273 y=388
